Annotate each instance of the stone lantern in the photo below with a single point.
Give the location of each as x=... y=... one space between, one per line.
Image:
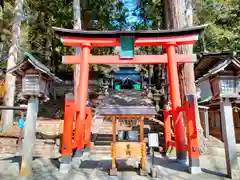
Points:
x=36 y=79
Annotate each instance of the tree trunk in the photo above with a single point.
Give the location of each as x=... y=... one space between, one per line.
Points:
x=179 y=15
x=10 y=80
x=77 y=25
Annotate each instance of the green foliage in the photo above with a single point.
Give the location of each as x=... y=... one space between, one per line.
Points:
x=5 y=28
x=39 y=17
x=223 y=33
x=223 y=18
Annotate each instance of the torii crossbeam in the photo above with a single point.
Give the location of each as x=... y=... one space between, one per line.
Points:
x=128 y=40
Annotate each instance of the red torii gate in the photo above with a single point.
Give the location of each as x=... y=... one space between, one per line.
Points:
x=166 y=38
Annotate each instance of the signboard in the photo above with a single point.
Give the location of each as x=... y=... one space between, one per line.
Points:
x=153 y=140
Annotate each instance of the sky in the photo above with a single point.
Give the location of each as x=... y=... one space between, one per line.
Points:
x=131 y=5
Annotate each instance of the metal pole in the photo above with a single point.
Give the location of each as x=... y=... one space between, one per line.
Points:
x=29 y=137
x=176 y=102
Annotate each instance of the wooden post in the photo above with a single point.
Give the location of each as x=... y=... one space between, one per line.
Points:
x=29 y=137
x=143 y=160
x=20 y=134
x=68 y=128
x=229 y=138
x=176 y=102
x=167 y=131
x=113 y=170
x=82 y=99
x=206 y=123
x=192 y=135
x=88 y=127
x=114 y=142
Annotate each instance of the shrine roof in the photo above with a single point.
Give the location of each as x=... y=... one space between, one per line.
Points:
x=126 y=102
x=127 y=110
x=30 y=60
x=140 y=33
x=220 y=66
x=208 y=60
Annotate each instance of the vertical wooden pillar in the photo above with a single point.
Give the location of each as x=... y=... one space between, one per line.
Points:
x=167 y=130
x=206 y=123
x=176 y=102
x=29 y=137
x=143 y=160
x=20 y=126
x=81 y=103
x=114 y=142
x=68 y=128
x=192 y=135
x=229 y=138
x=88 y=126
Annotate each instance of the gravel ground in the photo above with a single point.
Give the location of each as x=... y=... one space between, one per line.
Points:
x=167 y=169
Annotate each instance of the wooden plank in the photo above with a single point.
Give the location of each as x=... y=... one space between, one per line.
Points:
x=139 y=59
x=128 y=150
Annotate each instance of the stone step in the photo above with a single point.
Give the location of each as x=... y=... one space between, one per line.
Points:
x=102 y=143
x=96 y=147
x=99 y=152
x=104 y=138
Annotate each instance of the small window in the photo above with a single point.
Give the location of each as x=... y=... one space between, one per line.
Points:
x=227 y=86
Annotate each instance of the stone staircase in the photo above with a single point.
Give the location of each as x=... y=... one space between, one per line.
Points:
x=101 y=146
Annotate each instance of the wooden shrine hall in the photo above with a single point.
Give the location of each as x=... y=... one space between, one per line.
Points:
x=128 y=40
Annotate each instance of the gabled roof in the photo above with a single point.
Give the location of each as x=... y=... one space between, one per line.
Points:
x=220 y=67
x=208 y=60
x=140 y=33
x=30 y=59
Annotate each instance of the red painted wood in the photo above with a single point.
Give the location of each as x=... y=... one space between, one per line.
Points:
x=141 y=59
x=88 y=126
x=167 y=131
x=68 y=128
x=83 y=94
x=108 y=42
x=192 y=138
x=175 y=99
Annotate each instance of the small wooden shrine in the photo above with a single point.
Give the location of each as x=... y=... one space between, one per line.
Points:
x=217 y=77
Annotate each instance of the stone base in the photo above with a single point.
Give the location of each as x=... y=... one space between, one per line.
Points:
x=78 y=153
x=154 y=172
x=113 y=172
x=194 y=170
x=184 y=162
x=182 y=157
x=85 y=155
x=64 y=168
x=143 y=172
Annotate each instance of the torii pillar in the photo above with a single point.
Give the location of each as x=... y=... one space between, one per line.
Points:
x=169 y=39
